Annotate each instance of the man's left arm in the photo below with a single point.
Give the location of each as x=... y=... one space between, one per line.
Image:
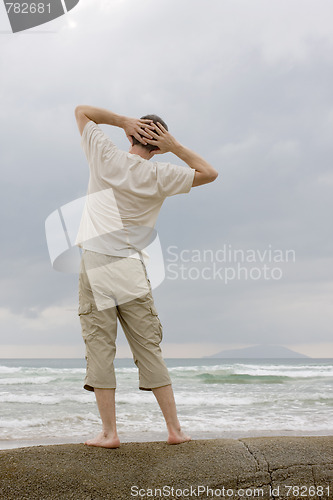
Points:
x=132 y=126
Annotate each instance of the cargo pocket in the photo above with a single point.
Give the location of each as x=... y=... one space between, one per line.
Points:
x=84 y=312
x=156 y=321
x=84 y=309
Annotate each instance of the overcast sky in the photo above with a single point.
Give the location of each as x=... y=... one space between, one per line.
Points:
x=248 y=85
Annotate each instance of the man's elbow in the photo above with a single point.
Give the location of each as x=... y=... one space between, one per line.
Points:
x=212 y=175
x=201 y=178
x=78 y=110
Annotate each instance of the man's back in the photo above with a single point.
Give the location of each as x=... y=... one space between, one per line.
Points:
x=125 y=194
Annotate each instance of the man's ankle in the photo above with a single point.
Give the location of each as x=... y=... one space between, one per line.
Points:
x=110 y=433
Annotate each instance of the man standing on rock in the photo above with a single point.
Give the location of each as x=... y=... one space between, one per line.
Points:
x=125 y=194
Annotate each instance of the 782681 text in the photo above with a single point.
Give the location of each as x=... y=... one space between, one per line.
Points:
x=28 y=8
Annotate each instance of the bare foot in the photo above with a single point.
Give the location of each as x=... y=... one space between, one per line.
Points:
x=104 y=440
x=177 y=437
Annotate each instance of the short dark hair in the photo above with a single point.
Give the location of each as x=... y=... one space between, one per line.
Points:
x=155 y=119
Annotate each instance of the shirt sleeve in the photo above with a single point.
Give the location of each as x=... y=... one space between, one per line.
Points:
x=174 y=179
x=96 y=145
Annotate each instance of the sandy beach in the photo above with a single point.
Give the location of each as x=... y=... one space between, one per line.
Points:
x=261 y=467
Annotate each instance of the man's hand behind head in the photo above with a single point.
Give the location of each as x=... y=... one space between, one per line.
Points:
x=162 y=139
x=138 y=128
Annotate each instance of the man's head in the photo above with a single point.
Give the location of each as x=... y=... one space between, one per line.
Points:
x=155 y=119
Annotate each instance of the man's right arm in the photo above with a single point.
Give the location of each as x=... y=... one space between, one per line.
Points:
x=132 y=126
x=204 y=172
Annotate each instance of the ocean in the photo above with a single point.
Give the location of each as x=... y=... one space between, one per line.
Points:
x=43 y=401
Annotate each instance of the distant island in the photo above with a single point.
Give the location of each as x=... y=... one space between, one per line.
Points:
x=259 y=351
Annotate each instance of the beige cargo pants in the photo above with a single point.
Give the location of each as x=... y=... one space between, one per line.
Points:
x=112 y=288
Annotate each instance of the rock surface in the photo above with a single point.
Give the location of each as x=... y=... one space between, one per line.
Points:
x=267 y=467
